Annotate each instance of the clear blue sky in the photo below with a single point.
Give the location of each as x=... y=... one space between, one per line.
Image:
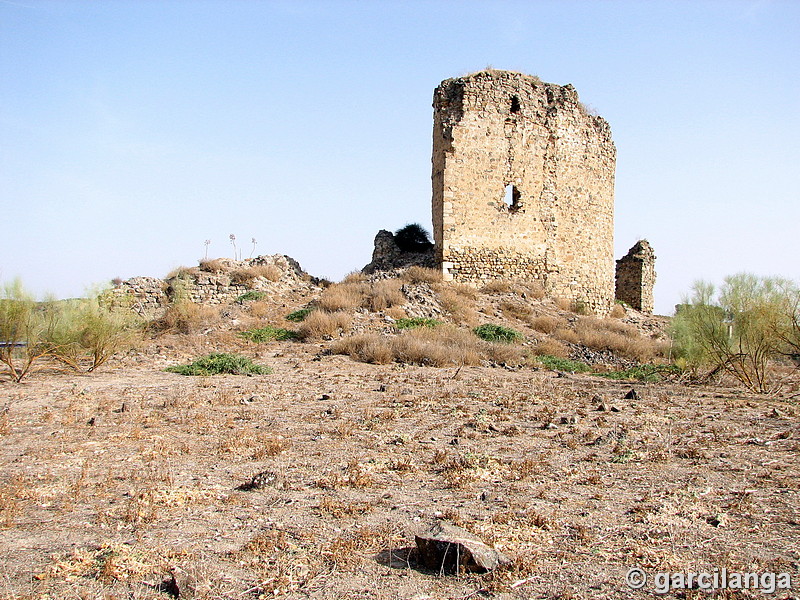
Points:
x=133 y=131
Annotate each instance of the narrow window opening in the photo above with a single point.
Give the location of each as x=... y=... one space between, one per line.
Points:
x=515 y=104
x=511 y=197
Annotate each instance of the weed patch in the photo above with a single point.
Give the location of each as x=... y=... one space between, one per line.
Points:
x=563 y=364
x=497 y=333
x=220 y=364
x=414 y=322
x=268 y=334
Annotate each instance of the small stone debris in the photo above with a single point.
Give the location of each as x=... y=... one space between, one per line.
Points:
x=776 y=413
x=259 y=481
x=252 y=399
x=632 y=395
x=571 y=420
x=602 y=407
x=448 y=549
x=177 y=585
x=323 y=397
x=615 y=409
x=718 y=520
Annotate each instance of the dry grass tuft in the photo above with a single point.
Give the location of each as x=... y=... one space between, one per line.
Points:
x=516 y=309
x=546 y=324
x=497 y=286
x=319 y=324
x=441 y=346
x=617 y=311
x=384 y=294
x=187 y=317
x=185 y=272
x=342 y=297
x=367 y=347
x=421 y=275
x=247 y=275
x=459 y=301
x=551 y=347
x=212 y=265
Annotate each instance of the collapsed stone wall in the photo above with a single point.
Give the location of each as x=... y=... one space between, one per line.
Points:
x=218 y=281
x=387 y=255
x=636 y=276
x=523 y=186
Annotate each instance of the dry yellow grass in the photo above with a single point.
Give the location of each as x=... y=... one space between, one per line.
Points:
x=497 y=286
x=384 y=294
x=617 y=311
x=212 y=265
x=421 y=275
x=440 y=346
x=246 y=275
x=546 y=324
x=320 y=324
x=516 y=309
x=551 y=347
x=184 y=316
x=459 y=301
x=342 y=296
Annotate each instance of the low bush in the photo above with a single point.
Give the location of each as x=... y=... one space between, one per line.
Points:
x=299 y=315
x=268 y=334
x=459 y=302
x=367 y=347
x=497 y=333
x=221 y=364
x=247 y=275
x=82 y=334
x=414 y=322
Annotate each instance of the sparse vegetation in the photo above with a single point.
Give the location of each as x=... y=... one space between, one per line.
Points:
x=268 y=334
x=220 y=364
x=563 y=364
x=298 y=316
x=417 y=274
x=497 y=333
x=751 y=322
x=413 y=322
x=320 y=324
x=251 y=296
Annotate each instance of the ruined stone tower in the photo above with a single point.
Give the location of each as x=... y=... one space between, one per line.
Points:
x=636 y=276
x=523 y=186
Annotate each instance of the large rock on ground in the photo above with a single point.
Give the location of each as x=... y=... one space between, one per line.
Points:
x=446 y=548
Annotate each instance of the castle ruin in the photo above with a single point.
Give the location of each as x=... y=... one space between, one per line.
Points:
x=523 y=186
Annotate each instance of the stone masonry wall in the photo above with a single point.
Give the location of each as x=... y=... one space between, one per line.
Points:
x=150 y=296
x=636 y=276
x=496 y=129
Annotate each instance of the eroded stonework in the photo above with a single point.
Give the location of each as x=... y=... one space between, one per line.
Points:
x=636 y=276
x=523 y=186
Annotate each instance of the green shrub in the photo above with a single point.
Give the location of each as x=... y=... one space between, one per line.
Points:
x=268 y=334
x=299 y=315
x=82 y=333
x=752 y=321
x=251 y=296
x=647 y=373
x=413 y=322
x=220 y=364
x=497 y=333
x=563 y=364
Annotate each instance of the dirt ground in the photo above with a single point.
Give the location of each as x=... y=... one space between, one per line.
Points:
x=312 y=481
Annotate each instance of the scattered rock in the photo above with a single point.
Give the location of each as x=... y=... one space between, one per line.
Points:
x=259 y=481
x=177 y=585
x=602 y=407
x=571 y=420
x=446 y=548
x=615 y=409
x=632 y=395
x=718 y=520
